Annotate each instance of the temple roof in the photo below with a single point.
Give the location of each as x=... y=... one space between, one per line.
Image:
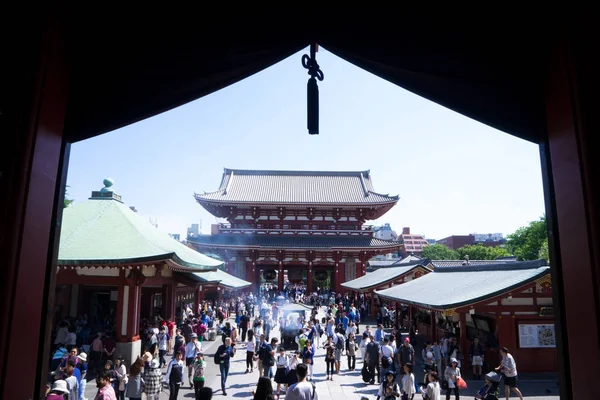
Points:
x=458 y=286
x=296 y=187
x=384 y=276
x=222 y=278
x=293 y=241
x=105 y=231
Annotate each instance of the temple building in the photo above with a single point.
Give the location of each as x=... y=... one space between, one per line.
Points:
x=117 y=268
x=502 y=304
x=306 y=225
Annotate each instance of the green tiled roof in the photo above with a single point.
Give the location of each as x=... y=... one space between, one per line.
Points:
x=457 y=286
x=223 y=278
x=382 y=276
x=105 y=231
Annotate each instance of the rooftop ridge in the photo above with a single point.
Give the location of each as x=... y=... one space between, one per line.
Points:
x=511 y=266
x=227 y=171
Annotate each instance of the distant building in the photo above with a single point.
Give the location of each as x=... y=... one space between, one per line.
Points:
x=487 y=239
x=194 y=230
x=431 y=241
x=412 y=243
x=385 y=232
x=175 y=236
x=456 y=241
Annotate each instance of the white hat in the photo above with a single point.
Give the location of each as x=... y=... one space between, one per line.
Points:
x=453 y=360
x=82 y=357
x=60 y=386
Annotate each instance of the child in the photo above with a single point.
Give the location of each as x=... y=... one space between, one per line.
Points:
x=199 y=366
x=108 y=366
x=282 y=364
x=491 y=390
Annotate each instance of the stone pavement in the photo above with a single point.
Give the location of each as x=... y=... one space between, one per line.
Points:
x=346 y=386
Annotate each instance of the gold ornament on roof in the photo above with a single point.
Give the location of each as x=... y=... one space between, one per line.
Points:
x=450 y=312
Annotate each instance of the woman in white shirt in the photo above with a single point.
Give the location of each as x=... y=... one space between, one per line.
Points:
x=433 y=390
x=250 y=346
x=508 y=367
x=408 y=381
x=281 y=364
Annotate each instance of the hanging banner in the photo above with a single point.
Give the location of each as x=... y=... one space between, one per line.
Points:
x=536 y=336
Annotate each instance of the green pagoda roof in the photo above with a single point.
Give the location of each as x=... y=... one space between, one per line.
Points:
x=103 y=231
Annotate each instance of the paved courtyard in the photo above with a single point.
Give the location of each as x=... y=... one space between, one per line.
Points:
x=347 y=385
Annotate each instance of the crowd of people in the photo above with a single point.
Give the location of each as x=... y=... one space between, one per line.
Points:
x=245 y=323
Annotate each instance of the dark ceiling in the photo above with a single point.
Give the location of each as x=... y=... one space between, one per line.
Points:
x=124 y=72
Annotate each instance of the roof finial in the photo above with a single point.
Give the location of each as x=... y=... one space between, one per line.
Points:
x=108 y=182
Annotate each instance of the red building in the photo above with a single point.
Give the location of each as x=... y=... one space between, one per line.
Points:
x=413 y=243
x=304 y=224
x=504 y=304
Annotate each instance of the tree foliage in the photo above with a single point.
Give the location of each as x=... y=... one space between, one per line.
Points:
x=481 y=252
x=527 y=241
x=544 y=253
x=67 y=201
x=439 y=252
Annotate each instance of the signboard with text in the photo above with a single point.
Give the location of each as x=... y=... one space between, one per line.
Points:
x=536 y=336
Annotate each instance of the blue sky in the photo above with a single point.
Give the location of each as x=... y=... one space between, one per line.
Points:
x=454 y=175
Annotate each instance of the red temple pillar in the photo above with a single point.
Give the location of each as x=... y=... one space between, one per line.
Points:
x=197 y=295
x=168 y=300
x=433 y=330
x=373 y=313
x=464 y=341
x=128 y=316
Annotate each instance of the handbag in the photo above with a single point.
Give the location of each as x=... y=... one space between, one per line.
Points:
x=460 y=383
x=444 y=384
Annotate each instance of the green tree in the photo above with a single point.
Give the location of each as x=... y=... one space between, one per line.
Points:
x=544 y=253
x=67 y=201
x=439 y=252
x=527 y=241
x=481 y=252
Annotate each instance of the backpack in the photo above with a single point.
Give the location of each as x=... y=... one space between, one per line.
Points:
x=339 y=345
x=302 y=341
x=217 y=357
x=261 y=351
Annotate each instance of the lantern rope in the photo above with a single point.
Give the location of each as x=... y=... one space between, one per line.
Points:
x=312 y=89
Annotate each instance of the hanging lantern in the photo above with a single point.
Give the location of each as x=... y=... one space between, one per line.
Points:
x=295 y=275
x=269 y=275
x=321 y=275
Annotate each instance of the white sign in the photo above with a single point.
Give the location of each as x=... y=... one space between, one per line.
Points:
x=536 y=336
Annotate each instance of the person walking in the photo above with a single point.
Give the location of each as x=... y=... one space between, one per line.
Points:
x=199 y=368
x=134 y=385
x=174 y=376
x=451 y=374
x=224 y=353
x=373 y=359
x=351 y=348
x=250 y=345
x=191 y=351
x=303 y=390
x=508 y=367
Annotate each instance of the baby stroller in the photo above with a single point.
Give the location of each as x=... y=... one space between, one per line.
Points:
x=490 y=391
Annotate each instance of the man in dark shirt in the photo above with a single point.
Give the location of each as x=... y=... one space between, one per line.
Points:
x=224 y=353
x=187 y=331
x=406 y=353
x=269 y=358
x=244 y=322
x=372 y=359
